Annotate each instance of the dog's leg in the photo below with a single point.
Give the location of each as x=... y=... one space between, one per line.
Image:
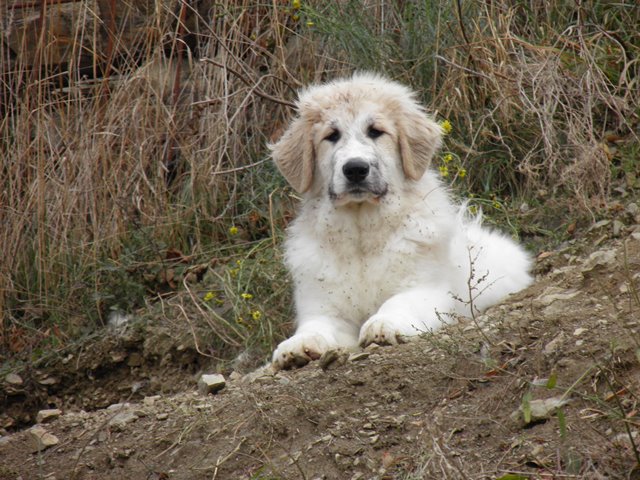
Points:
x=407 y=315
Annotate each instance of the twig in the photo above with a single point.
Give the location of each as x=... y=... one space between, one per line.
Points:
x=239 y=169
x=254 y=87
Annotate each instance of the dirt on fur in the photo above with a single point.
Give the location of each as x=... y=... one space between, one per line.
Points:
x=544 y=386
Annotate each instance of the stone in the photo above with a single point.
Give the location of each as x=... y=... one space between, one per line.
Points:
x=354 y=357
x=211 y=383
x=601 y=258
x=618 y=226
x=134 y=360
x=151 y=400
x=47 y=380
x=41 y=439
x=48 y=415
x=555 y=294
x=554 y=345
x=13 y=379
x=122 y=419
x=540 y=410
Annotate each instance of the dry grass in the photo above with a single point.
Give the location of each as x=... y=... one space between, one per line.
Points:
x=126 y=158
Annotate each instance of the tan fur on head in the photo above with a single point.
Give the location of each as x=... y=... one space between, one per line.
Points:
x=419 y=138
x=294 y=155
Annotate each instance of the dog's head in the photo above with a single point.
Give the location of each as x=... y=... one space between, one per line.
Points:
x=353 y=139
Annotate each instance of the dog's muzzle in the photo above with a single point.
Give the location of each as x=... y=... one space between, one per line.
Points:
x=360 y=182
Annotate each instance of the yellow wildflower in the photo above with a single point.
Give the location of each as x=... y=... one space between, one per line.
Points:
x=295 y=4
x=310 y=23
x=247 y=296
x=444 y=170
x=446 y=127
x=473 y=210
x=233 y=230
x=496 y=205
x=209 y=296
x=447 y=158
x=256 y=315
x=462 y=172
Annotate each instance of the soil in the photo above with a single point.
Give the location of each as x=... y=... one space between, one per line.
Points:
x=460 y=403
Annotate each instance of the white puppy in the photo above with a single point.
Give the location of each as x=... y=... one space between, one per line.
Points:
x=378 y=252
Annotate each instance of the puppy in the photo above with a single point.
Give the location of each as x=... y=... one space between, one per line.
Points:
x=379 y=252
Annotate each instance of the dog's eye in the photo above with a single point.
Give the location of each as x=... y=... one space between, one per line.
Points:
x=374 y=133
x=333 y=137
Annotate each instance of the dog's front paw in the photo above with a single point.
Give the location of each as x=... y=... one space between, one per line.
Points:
x=299 y=350
x=385 y=329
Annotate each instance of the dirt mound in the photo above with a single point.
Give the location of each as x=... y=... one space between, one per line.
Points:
x=543 y=386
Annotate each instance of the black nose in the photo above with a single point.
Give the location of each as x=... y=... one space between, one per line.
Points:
x=356 y=170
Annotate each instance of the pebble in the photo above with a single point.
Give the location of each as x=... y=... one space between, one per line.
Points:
x=601 y=258
x=151 y=400
x=47 y=380
x=211 y=383
x=13 y=379
x=122 y=419
x=355 y=357
x=48 y=415
x=617 y=228
x=540 y=409
x=134 y=360
x=579 y=331
x=554 y=345
x=41 y=439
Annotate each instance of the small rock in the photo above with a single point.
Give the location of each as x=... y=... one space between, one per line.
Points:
x=330 y=357
x=598 y=225
x=47 y=380
x=354 y=357
x=150 y=401
x=601 y=258
x=617 y=227
x=41 y=439
x=162 y=416
x=632 y=209
x=118 y=357
x=122 y=419
x=579 y=331
x=13 y=379
x=554 y=345
x=540 y=410
x=211 y=383
x=555 y=294
x=48 y=415
x=134 y=360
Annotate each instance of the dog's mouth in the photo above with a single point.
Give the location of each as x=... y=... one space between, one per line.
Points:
x=358 y=194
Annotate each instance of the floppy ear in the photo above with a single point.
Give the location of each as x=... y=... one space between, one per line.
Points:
x=294 y=155
x=419 y=138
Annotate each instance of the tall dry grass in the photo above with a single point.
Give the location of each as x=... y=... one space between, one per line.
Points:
x=126 y=158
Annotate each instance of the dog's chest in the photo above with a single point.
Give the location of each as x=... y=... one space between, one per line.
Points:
x=360 y=273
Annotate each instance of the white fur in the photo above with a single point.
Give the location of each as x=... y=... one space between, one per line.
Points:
x=379 y=267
